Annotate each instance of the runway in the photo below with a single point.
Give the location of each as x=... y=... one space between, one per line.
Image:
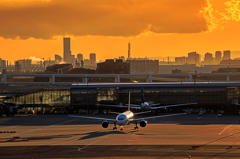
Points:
x=58 y=136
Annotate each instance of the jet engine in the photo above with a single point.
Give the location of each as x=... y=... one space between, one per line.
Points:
x=143 y=123
x=105 y=124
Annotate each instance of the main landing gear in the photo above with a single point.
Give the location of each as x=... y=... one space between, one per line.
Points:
x=114 y=126
x=136 y=127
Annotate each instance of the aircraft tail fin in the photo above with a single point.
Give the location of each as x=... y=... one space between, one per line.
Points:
x=142 y=97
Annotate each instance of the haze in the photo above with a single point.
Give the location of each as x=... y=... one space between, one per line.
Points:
x=155 y=28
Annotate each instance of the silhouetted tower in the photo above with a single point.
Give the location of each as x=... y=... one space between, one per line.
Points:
x=66 y=50
x=129 y=52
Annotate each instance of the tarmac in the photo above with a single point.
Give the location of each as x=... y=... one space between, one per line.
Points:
x=59 y=136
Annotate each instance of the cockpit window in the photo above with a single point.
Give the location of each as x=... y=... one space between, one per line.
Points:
x=121 y=117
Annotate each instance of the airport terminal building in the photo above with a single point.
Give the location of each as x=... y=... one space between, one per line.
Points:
x=210 y=95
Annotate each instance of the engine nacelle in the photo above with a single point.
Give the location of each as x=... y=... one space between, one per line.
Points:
x=105 y=124
x=143 y=123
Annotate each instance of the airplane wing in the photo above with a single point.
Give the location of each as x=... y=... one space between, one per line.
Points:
x=142 y=112
x=155 y=104
x=176 y=105
x=119 y=106
x=153 y=117
x=134 y=105
x=94 y=118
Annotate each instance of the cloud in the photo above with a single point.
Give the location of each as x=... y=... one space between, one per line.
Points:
x=233 y=10
x=46 y=19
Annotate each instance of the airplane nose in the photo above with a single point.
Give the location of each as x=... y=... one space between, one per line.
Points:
x=121 y=123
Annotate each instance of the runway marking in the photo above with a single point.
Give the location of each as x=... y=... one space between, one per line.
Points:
x=226 y=128
x=199 y=117
x=39 y=129
x=92 y=143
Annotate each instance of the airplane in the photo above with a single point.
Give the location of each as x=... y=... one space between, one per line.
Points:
x=146 y=106
x=125 y=118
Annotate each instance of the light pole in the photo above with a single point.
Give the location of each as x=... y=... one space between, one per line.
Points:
x=87 y=94
x=194 y=76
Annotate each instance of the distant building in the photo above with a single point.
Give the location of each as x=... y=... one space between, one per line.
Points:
x=26 y=66
x=176 y=71
x=67 y=57
x=93 y=58
x=218 y=57
x=49 y=63
x=208 y=59
x=113 y=67
x=227 y=70
x=81 y=71
x=230 y=62
x=129 y=50
x=226 y=55
x=180 y=60
x=58 y=58
x=143 y=66
x=23 y=66
x=167 y=69
x=3 y=64
x=193 y=58
x=17 y=67
x=203 y=70
x=79 y=57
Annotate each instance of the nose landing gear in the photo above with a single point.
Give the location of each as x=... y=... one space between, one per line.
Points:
x=121 y=128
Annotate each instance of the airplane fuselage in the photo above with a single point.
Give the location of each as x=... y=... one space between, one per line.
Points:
x=123 y=119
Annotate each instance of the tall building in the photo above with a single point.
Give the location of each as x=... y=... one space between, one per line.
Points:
x=129 y=51
x=92 y=57
x=226 y=55
x=66 y=50
x=193 y=58
x=79 y=57
x=218 y=57
x=2 y=64
x=180 y=60
x=208 y=59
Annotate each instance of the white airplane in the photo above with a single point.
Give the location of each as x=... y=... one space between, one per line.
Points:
x=125 y=118
x=146 y=106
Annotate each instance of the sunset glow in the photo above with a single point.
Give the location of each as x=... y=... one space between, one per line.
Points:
x=154 y=28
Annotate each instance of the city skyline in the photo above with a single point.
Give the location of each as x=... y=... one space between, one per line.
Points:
x=33 y=29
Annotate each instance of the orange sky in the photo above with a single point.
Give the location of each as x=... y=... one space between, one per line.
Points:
x=154 y=28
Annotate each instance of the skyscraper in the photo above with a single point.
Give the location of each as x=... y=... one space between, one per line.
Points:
x=208 y=59
x=66 y=50
x=79 y=57
x=226 y=55
x=129 y=51
x=193 y=58
x=93 y=58
x=218 y=57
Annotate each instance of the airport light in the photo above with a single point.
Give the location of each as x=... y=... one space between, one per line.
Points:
x=194 y=76
x=87 y=95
